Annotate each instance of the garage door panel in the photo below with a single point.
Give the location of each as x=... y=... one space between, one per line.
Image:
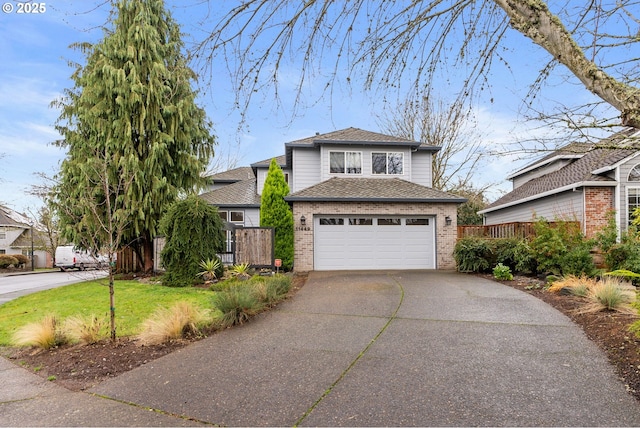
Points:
x=387 y=245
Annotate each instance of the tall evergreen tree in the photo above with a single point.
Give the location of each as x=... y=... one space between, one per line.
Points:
x=133 y=101
x=275 y=212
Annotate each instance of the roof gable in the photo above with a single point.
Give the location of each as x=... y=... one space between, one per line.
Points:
x=587 y=170
x=232 y=175
x=241 y=193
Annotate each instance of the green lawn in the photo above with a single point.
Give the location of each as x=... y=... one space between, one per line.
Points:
x=134 y=302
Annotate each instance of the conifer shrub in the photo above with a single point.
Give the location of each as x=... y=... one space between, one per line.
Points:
x=194 y=232
x=275 y=212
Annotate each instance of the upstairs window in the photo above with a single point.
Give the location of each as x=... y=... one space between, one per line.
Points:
x=634 y=174
x=390 y=163
x=345 y=162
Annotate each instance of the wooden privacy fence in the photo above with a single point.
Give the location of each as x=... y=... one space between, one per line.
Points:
x=255 y=245
x=517 y=229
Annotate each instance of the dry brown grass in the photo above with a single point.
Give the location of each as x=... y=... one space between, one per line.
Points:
x=578 y=286
x=84 y=329
x=611 y=294
x=173 y=323
x=43 y=334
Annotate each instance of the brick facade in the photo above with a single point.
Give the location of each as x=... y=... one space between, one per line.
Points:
x=597 y=201
x=303 y=235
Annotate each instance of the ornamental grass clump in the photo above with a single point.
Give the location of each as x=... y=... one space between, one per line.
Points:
x=164 y=325
x=236 y=305
x=44 y=334
x=578 y=286
x=272 y=290
x=85 y=330
x=611 y=294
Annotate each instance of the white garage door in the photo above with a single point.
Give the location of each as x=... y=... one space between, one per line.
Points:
x=365 y=242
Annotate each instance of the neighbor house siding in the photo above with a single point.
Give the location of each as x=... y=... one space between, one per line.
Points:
x=625 y=184
x=303 y=235
x=539 y=172
x=421 y=168
x=261 y=176
x=306 y=168
x=566 y=206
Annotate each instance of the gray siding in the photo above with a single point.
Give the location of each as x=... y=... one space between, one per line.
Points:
x=261 y=176
x=539 y=172
x=624 y=170
x=366 y=161
x=566 y=205
x=252 y=217
x=421 y=168
x=306 y=169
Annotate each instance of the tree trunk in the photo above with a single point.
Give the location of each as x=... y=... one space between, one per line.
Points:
x=533 y=19
x=147 y=251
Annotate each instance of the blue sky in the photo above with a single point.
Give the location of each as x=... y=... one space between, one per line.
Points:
x=34 y=72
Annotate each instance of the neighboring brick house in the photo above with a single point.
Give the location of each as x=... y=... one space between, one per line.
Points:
x=360 y=199
x=16 y=238
x=580 y=182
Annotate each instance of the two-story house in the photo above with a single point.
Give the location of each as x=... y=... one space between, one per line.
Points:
x=16 y=237
x=360 y=200
x=580 y=182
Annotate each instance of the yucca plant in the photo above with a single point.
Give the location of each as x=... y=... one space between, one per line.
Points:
x=210 y=269
x=241 y=271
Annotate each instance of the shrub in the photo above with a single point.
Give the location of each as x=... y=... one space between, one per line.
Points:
x=473 y=254
x=561 y=248
x=515 y=253
x=44 y=334
x=84 y=329
x=236 y=305
x=502 y=272
x=625 y=254
x=194 y=232
x=6 y=260
x=174 y=323
x=624 y=274
x=22 y=259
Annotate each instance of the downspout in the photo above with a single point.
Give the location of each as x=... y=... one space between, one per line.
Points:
x=616 y=203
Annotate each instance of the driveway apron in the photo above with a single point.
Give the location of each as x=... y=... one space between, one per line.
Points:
x=410 y=348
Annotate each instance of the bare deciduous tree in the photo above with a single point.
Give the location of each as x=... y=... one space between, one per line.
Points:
x=409 y=45
x=450 y=127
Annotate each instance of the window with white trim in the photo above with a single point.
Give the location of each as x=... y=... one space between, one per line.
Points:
x=391 y=163
x=634 y=174
x=345 y=162
x=633 y=202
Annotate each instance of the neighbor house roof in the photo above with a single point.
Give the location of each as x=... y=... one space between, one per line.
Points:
x=371 y=189
x=242 y=193
x=280 y=160
x=232 y=175
x=9 y=217
x=586 y=170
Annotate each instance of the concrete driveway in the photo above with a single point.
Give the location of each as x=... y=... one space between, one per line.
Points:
x=380 y=349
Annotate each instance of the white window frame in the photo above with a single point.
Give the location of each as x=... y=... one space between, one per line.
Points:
x=635 y=167
x=346 y=167
x=387 y=155
x=629 y=211
x=231 y=213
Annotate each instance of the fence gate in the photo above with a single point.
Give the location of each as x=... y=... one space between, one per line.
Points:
x=255 y=245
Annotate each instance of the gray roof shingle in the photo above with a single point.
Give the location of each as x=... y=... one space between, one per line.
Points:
x=371 y=189
x=236 y=174
x=356 y=136
x=280 y=160
x=241 y=193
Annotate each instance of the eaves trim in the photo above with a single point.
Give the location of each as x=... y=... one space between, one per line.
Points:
x=352 y=199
